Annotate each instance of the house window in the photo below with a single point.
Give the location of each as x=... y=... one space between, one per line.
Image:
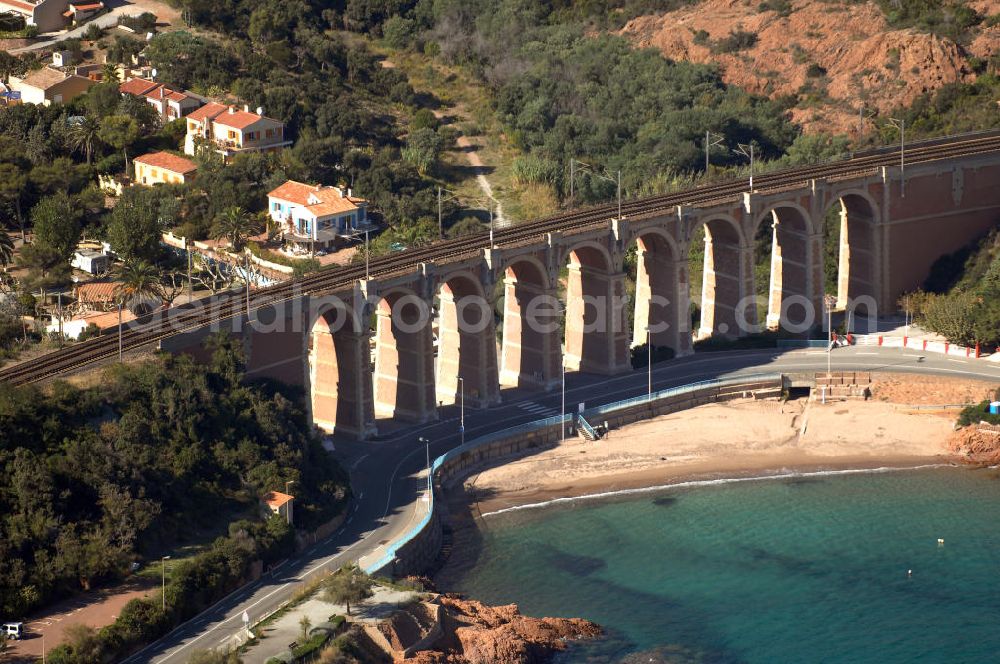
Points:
x=269 y=133
x=232 y=135
x=192 y=126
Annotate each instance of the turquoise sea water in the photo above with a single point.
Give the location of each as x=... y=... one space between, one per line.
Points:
x=804 y=569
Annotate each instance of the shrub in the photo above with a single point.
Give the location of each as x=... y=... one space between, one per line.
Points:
x=978 y=413
x=737 y=40
x=815 y=71
x=701 y=37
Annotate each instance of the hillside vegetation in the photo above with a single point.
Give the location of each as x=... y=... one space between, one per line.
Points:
x=961 y=297
x=96 y=478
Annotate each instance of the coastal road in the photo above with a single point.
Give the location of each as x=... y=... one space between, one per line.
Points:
x=388 y=475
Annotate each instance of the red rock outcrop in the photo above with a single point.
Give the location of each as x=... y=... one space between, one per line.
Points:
x=478 y=634
x=862 y=56
x=975 y=445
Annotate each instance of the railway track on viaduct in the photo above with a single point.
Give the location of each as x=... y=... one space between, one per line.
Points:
x=232 y=304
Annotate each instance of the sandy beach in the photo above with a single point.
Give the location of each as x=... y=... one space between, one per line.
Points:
x=735 y=439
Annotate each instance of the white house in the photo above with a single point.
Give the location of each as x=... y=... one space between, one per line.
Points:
x=316 y=216
x=93 y=262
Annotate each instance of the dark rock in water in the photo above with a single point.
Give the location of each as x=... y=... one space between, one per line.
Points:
x=665 y=501
x=803 y=481
x=671 y=654
x=575 y=564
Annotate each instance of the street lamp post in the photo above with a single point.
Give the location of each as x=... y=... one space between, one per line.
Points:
x=461 y=406
x=829 y=337
x=427 y=445
x=562 y=412
x=288 y=511
x=163 y=581
x=649 y=362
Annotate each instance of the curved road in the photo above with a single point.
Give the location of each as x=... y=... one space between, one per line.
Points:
x=388 y=475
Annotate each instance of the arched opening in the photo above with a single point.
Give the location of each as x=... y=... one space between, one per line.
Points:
x=339 y=374
x=850 y=262
x=596 y=336
x=719 y=288
x=404 y=359
x=530 y=353
x=782 y=237
x=466 y=352
x=659 y=297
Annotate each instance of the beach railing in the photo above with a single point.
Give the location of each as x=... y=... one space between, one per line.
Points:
x=461 y=452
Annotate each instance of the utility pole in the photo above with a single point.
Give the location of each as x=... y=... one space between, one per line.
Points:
x=59 y=313
x=490 y=203
x=288 y=505
x=900 y=124
x=562 y=412
x=120 y=360
x=709 y=144
x=187 y=245
x=367 y=255
x=440 y=222
x=163 y=583
x=572 y=177
x=747 y=151
x=829 y=338
x=619 y=194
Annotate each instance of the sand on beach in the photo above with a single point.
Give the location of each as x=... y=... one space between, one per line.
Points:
x=737 y=438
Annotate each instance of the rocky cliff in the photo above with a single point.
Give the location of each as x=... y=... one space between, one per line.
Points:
x=474 y=633
x=834 y=56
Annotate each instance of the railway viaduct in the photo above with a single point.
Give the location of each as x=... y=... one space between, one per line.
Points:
x=513 y=314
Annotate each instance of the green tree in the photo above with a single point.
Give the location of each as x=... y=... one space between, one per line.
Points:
x=235 y=225
x=13 y=182
x=348 y=585
x=423 y=148
x=56 y=221
x=119 y=131
x=137 y=222
x=6 y=248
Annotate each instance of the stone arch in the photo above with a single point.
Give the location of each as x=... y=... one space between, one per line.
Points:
x=404 y=357
x=660 y=292
x=722 y=275
x=339 y=376
x=596 y=329
x=857 y=264
x=530 y=355
x=466 y=351
x=793 y=300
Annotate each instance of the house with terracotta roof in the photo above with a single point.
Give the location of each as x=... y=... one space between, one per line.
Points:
x=47 y=86
x=163 y=168
x=169 y=104
x=78 y=12
x=229 y=131
x=315 y=216
x=280 y=503
x=46 y=15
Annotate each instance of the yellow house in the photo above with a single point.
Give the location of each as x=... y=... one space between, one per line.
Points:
x=163 y=168
x=48 y=86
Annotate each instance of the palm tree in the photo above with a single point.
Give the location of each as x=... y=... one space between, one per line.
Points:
x=6 y=248
x=84 y=136
x=236 y=226
x=109 y=72
x=139 y=282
